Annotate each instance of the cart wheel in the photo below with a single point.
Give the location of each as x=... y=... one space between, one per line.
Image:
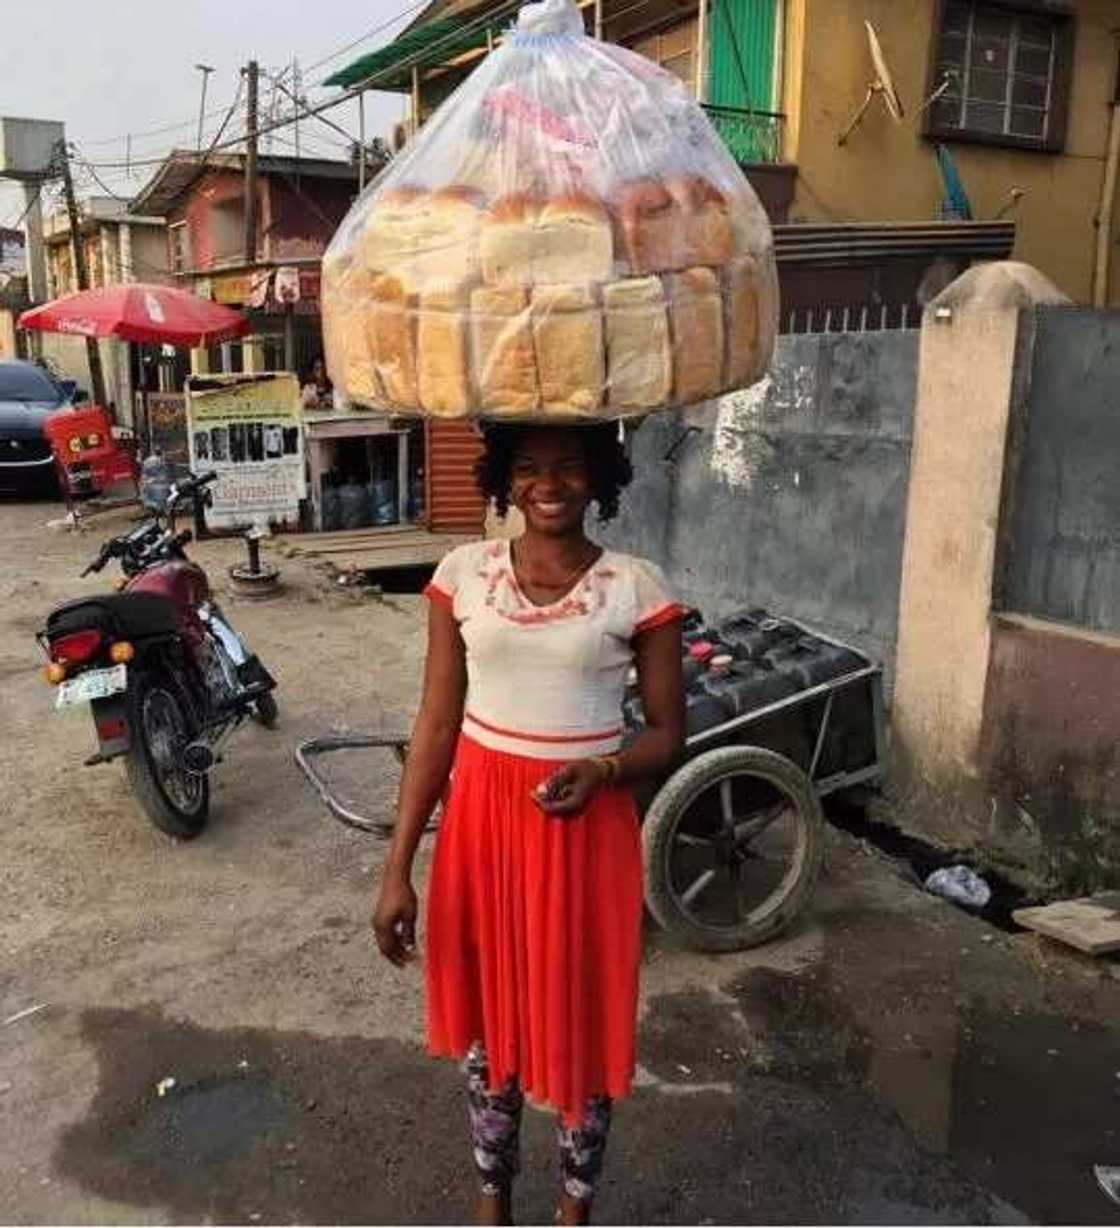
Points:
x=732 y=846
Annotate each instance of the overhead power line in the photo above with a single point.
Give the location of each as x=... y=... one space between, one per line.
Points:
x=186 y=124
x=354 y=91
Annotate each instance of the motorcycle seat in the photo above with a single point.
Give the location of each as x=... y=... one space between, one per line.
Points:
x=125 y=615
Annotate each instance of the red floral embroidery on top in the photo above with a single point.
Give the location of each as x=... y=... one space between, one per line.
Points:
x=505 y=598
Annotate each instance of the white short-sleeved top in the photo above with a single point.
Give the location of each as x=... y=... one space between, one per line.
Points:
x=548 y=681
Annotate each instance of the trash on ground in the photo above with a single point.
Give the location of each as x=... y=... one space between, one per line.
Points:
x=166 y=1085
x=26 y=1013
x=1090 y=924
x=1108 y=1178
x=960 y=884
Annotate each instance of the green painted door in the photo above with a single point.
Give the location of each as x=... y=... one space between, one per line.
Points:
x=743 y=37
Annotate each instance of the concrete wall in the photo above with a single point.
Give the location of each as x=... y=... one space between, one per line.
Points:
x=790 y=495
x=1051 y=751
x=887 y=171
x=1005 y=726
x=1064 y=541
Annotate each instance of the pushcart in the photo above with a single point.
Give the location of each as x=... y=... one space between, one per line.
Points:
x=733 y=836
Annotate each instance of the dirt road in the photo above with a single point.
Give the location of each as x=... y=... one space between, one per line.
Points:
x=891 y=1061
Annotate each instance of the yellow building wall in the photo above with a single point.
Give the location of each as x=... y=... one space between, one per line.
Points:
x=887 y=171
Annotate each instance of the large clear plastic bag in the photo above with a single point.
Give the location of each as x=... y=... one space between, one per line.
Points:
x=566 y=238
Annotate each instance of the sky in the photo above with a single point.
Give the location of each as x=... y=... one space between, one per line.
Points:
x=110 y=67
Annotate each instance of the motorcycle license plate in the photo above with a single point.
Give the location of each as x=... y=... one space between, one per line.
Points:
x=93 y=684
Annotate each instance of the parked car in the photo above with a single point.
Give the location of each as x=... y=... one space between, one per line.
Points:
x=28 y=394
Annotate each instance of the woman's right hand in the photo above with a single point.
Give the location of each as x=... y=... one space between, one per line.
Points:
x=394 y=921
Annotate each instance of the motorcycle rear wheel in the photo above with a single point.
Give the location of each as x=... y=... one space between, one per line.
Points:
x=161 y=726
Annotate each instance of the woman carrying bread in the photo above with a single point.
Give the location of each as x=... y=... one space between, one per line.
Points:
x=535 y=894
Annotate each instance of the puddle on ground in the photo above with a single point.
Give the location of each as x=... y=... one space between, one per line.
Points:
x=1022 y=1103
x=804 y=1110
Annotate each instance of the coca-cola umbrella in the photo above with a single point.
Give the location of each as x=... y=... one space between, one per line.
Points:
x=146 y=313
x=142 y=312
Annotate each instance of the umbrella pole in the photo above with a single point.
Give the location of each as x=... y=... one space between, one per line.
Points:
x=147 y=436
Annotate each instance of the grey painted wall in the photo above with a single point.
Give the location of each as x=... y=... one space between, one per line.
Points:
x=790 y=495
x=1065 y=533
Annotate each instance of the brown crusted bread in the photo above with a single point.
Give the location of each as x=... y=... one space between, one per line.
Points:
x=391 y=327
x=502 y=357
x=706 y=220
x=696 y=324
x=742 y=291
x=639 y=354
x=568 y=339
x=444 y=375
x=506 y=240
x=422 y=236
x=649 y=227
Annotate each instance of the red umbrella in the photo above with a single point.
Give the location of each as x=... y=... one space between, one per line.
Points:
x=138 y=311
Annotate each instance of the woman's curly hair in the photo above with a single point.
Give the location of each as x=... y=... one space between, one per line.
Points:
x=608 y=467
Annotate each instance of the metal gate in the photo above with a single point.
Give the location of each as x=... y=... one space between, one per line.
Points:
x=453 y=499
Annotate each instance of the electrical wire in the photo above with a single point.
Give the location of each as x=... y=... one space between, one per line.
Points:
x=30 y=205
x=327 y=59
x=354 y=91
x=334 y=55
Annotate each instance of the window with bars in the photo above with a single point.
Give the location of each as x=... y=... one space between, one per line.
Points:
x=1001 y=73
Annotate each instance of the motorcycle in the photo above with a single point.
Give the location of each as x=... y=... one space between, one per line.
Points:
x=167 y=677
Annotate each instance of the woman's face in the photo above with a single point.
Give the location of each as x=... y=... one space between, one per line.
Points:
x=550 y=484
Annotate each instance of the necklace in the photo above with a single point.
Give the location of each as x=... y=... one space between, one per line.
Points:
x=585 y=561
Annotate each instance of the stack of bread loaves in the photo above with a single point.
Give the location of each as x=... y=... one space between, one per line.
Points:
x=567 y=282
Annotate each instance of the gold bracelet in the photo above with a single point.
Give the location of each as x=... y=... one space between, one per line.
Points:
x=610 y=766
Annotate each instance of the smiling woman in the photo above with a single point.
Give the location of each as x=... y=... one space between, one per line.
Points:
x=534 y=909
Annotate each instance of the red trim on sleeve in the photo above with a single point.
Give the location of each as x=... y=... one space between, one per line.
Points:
x=670 y=613
x=434 y=593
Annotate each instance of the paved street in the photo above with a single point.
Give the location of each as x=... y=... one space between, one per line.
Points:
x=891 y=1061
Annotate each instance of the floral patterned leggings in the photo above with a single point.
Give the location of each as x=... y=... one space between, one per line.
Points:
x=495 y=1119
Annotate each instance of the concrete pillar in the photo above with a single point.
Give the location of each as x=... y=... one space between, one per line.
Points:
x=124 y=252
x=968 y=389
x=33 y=250
x=252 y=355
x=200 y=361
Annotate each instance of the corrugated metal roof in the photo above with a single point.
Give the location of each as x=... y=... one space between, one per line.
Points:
x=440 y=38
x=182 y=167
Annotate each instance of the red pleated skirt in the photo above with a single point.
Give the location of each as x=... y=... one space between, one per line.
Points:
x=534 y=932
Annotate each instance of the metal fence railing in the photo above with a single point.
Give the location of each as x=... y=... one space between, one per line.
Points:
x=850 y=318
x=751 y=136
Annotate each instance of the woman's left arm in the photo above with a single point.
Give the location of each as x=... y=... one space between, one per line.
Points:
x=657 y=654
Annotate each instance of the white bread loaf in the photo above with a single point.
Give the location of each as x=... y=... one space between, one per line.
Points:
x=422 y=237
x=742 y=303
x=506 y=240
x=696 y=322
x=346 y=346
x=444 y=366
x=568 y=339
x=502 y=356
x=705 y=218
x=562 y=240
x=391 y=327
x=572 y=241
x=639 y=353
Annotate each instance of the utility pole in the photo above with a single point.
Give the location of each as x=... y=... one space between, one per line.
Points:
x=297 y=83
x=253 y=72
x=206 y=70
x=93 y=352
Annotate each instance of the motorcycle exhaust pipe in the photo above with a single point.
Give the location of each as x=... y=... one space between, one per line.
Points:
x=199 y=756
